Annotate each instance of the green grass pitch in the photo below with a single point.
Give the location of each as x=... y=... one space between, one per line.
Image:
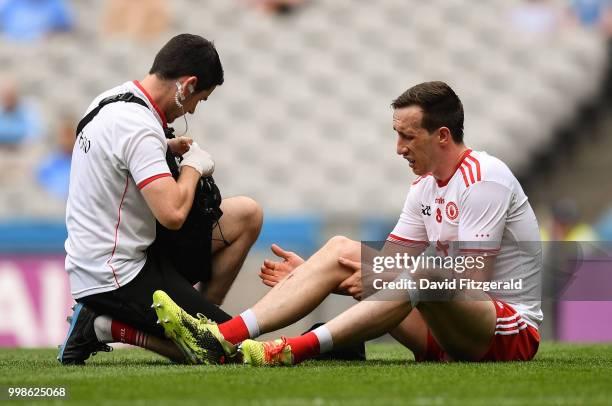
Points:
x=561 y=374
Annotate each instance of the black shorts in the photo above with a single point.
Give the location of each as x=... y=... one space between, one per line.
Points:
x=131 y=303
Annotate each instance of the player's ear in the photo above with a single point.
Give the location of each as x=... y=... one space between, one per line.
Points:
x=191 y=83
x=445 y=135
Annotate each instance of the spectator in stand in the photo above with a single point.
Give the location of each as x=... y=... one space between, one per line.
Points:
x=592 y=13
x=139 y=20
x=277 y=7
x=18 y=120
x=30 y=20
x=535 y=17
x=53 y=174
x=596 y=14
x=604 y=226
x=567 y=224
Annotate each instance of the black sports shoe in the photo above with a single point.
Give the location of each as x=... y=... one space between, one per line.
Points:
x=81 y=340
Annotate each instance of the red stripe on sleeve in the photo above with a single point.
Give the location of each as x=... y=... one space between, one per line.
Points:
x=405 y=241
x=151 y=179
x=397 y=237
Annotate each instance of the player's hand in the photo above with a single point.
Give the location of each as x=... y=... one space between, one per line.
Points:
x=179 y=145
x=199 y=160
x=352 y=285
x=273 y=271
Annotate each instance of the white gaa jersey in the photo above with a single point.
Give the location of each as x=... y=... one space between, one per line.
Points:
x=483 y=208
x=109 y=223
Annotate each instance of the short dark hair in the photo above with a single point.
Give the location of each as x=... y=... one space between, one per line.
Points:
x=441 y=107
x=189 y=55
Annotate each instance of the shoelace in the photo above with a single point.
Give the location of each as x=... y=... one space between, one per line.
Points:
x=275 y=350
x=204 y=319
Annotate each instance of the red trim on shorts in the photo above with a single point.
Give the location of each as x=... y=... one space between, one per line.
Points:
x=127 y=178
x=513 y=340
x=160 y=113
x=461 y=159
x=151 y=179
x=397 y=237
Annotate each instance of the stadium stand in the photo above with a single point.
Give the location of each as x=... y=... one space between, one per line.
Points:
x=302 y=123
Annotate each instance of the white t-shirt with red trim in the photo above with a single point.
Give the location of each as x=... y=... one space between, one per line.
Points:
x=483 y=208
x=109 y=224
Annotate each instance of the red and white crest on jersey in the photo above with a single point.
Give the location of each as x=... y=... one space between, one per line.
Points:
x=452 y=211
x=470 y=169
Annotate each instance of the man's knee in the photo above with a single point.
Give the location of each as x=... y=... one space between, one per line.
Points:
x=430 y=286
x=251 y=214
x=342 y=246
x=432 y=274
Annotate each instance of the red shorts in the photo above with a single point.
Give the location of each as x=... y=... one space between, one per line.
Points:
x=514 y=340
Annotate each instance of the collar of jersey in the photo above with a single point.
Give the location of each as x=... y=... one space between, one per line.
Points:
x=160 y=113
x=461 y=159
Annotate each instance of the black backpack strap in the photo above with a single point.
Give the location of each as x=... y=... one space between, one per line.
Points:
x=123 y=97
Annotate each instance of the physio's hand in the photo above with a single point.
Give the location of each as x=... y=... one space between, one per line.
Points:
x=273 y=271
x=179 y=145
x=199 y=160
x=352 y=285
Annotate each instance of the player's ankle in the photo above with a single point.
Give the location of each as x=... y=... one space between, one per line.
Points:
x=123 y=333
x=311 y=344
x=102 y=328
x=240 y=328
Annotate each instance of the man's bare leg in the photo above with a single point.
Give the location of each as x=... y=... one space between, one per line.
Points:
x=444 y=319
x=463 y=328
x=311 y=282
x=462 y=321
x=239 y=226
x=469 y=324
x=297 y=294
x=165 y=348
x=367 y=320
x=412 y=333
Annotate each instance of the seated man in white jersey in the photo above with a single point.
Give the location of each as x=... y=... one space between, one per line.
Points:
x=127 y=190
x=462 y=197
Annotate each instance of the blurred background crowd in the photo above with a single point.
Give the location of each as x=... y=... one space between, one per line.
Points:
x=303 y=123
